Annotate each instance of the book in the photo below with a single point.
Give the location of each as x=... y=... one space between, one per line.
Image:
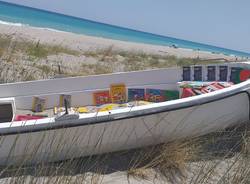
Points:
x=82 y=110
x=155 y=95
x=187 y=92
x=118 y=93
x=101 y=97
x=235 y=75
x=198 y=73
x=211 y=73
x=186 y=75
x=171 y=95
x=108 y=107
x=64 y=98
x=38 y=104
x=136 y=94
x=223 y=72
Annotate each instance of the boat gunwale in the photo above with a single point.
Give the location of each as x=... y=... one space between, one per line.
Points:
x=89 y=76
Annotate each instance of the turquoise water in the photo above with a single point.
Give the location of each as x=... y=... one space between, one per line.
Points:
x=21 y=15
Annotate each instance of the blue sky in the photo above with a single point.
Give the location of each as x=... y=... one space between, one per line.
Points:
x=223 y=23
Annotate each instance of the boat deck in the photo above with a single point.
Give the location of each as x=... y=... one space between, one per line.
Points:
x=186 y=89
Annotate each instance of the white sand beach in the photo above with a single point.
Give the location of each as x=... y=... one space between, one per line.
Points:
x=88 y=43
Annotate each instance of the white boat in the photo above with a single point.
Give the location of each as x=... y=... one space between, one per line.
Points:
x=73 y=135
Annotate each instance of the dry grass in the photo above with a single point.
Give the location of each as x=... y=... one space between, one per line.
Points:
x=168 y=161
x=132 y=61
x=35 y=50
x=221 y=157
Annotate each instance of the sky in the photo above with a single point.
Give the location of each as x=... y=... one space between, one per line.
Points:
x=223 y=23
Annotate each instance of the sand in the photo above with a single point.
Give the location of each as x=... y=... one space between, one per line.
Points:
x=88 y=43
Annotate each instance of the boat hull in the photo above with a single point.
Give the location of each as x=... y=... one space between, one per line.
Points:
x=55 y=144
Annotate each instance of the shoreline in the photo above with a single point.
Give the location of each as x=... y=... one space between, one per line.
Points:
x=82 y=42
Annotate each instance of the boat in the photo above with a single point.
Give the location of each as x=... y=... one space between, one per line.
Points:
x=64 y=118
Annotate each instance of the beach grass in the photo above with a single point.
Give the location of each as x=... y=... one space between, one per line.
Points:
x=38 y=50
x=31 y=48
x=140 y=60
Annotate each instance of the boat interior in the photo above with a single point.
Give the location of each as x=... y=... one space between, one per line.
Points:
x=81 y=95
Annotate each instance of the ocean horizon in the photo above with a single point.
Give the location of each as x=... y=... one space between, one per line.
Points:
x=17 y=15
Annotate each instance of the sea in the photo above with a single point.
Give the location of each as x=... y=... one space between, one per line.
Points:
x=16 y=15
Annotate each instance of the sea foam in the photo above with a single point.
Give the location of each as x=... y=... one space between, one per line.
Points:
x=12 y=24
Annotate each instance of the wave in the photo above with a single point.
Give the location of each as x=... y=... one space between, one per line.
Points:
x=20 y=25
x=12 y=24
x=50 y=29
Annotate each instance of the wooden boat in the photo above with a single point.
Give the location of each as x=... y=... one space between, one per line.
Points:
x=29 y=139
